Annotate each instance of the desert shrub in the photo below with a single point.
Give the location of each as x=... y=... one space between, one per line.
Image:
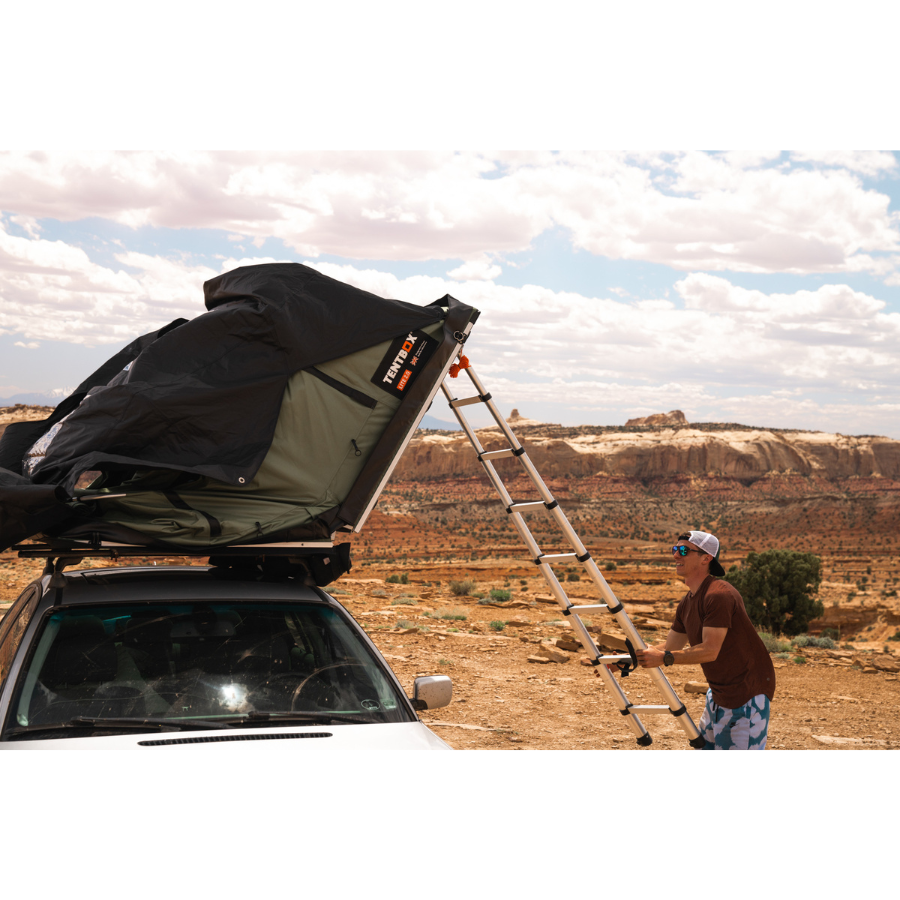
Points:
x=808 y=640
x=452 y=615
x=497 y=625
x=611 y=567
x=832 y=633
x=398 y=579
x=772 y=644
x=379 y=593
x=778 y=587
x=895 y=636
x=403 y=601
x=573 y=576
x=462 y=588
x=478 y=595
x=781 y=655
x=405 y=623
x=499 y=596
x=800 y=660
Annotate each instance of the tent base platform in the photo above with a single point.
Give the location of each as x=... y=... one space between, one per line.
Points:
x=312 y=562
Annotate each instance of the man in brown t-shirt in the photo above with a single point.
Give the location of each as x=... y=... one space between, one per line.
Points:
x=712 y=619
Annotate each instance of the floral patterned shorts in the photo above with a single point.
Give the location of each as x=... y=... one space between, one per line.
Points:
x=744 y=728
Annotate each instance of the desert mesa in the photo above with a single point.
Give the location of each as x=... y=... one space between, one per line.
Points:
x=647 y=449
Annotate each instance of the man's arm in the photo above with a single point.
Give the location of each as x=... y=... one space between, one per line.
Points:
x=706 y=651
x=675 y=640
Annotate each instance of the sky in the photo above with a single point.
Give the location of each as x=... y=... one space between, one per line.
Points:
x=760 y=288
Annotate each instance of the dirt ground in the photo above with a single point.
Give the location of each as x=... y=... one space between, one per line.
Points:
x=501 y=700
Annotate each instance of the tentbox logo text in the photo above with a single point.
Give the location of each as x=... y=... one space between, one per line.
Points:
x=402 y=363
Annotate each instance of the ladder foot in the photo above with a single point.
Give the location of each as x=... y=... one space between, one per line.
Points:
x=644 y=740
x=698 y=743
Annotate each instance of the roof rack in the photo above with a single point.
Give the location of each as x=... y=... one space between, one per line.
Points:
x=112 y=550
x=317 y=562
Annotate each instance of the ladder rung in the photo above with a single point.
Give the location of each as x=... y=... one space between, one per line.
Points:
x=575 y=609
x=649 y=709
x=496 y=454
x=547 y=557
x=519 y=507
x=614 y=659
x=466 y=401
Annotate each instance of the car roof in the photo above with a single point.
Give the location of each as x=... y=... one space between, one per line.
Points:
x=179 y=584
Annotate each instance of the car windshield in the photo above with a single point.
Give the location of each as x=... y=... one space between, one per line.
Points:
x=231 y=663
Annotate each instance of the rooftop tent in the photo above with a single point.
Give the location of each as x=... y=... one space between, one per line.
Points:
x=277 y=415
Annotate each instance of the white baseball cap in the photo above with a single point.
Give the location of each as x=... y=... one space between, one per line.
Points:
x=708 y=543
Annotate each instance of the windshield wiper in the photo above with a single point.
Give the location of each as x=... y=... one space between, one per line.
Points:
x=256 y=717
x=124 y=724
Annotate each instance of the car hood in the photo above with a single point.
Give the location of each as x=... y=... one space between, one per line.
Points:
x=274 y=739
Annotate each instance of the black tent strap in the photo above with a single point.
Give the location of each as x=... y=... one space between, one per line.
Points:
x=346 y=390
x=215 y=526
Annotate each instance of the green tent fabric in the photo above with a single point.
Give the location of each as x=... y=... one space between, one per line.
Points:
x=323 y=439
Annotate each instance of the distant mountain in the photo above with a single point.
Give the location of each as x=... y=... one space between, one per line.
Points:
x=440 y=424
x=46 y=398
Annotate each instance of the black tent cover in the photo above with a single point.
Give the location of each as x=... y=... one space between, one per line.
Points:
x=202 y=396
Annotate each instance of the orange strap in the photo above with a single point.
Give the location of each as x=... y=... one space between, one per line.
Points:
x=456 y=368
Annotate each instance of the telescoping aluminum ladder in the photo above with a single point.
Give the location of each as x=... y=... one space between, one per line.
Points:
x=673 y=705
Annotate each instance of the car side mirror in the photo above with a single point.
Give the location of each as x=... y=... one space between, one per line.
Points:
x=432 y=692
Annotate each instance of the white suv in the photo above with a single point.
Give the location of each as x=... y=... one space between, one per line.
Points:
x=177 y=656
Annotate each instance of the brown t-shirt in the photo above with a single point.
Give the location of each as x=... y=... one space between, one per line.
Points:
x=743 y=667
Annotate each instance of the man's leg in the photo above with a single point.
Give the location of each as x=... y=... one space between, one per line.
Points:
x=759 y=722
x=707 y=722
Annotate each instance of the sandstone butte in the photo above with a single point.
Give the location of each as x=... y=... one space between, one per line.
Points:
x=734 y=452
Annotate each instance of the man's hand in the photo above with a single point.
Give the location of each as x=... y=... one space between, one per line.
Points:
x=651 y=658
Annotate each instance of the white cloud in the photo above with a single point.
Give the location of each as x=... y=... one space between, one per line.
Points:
x=729 y=354
x=31 y=345
x=734 y=211
x=833 y=339
x=50 y=290
x=476 y=270
x=866 y=162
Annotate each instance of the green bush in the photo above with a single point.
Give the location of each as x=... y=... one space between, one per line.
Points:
x=832 y=633
x=453 y=615
x=499 y=596
x=800 y=660
x=772 y=644
x=573 y=576
x=611 y=567
x=808 y=640
x=398 y=579
x=895 y=636
x=403 y=601
x=462 y=588
x=778 y=587
x=497 y=625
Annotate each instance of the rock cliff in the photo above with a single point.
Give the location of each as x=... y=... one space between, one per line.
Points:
x=648 y=453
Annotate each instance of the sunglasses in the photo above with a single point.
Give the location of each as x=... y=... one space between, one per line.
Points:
x=681 y=550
